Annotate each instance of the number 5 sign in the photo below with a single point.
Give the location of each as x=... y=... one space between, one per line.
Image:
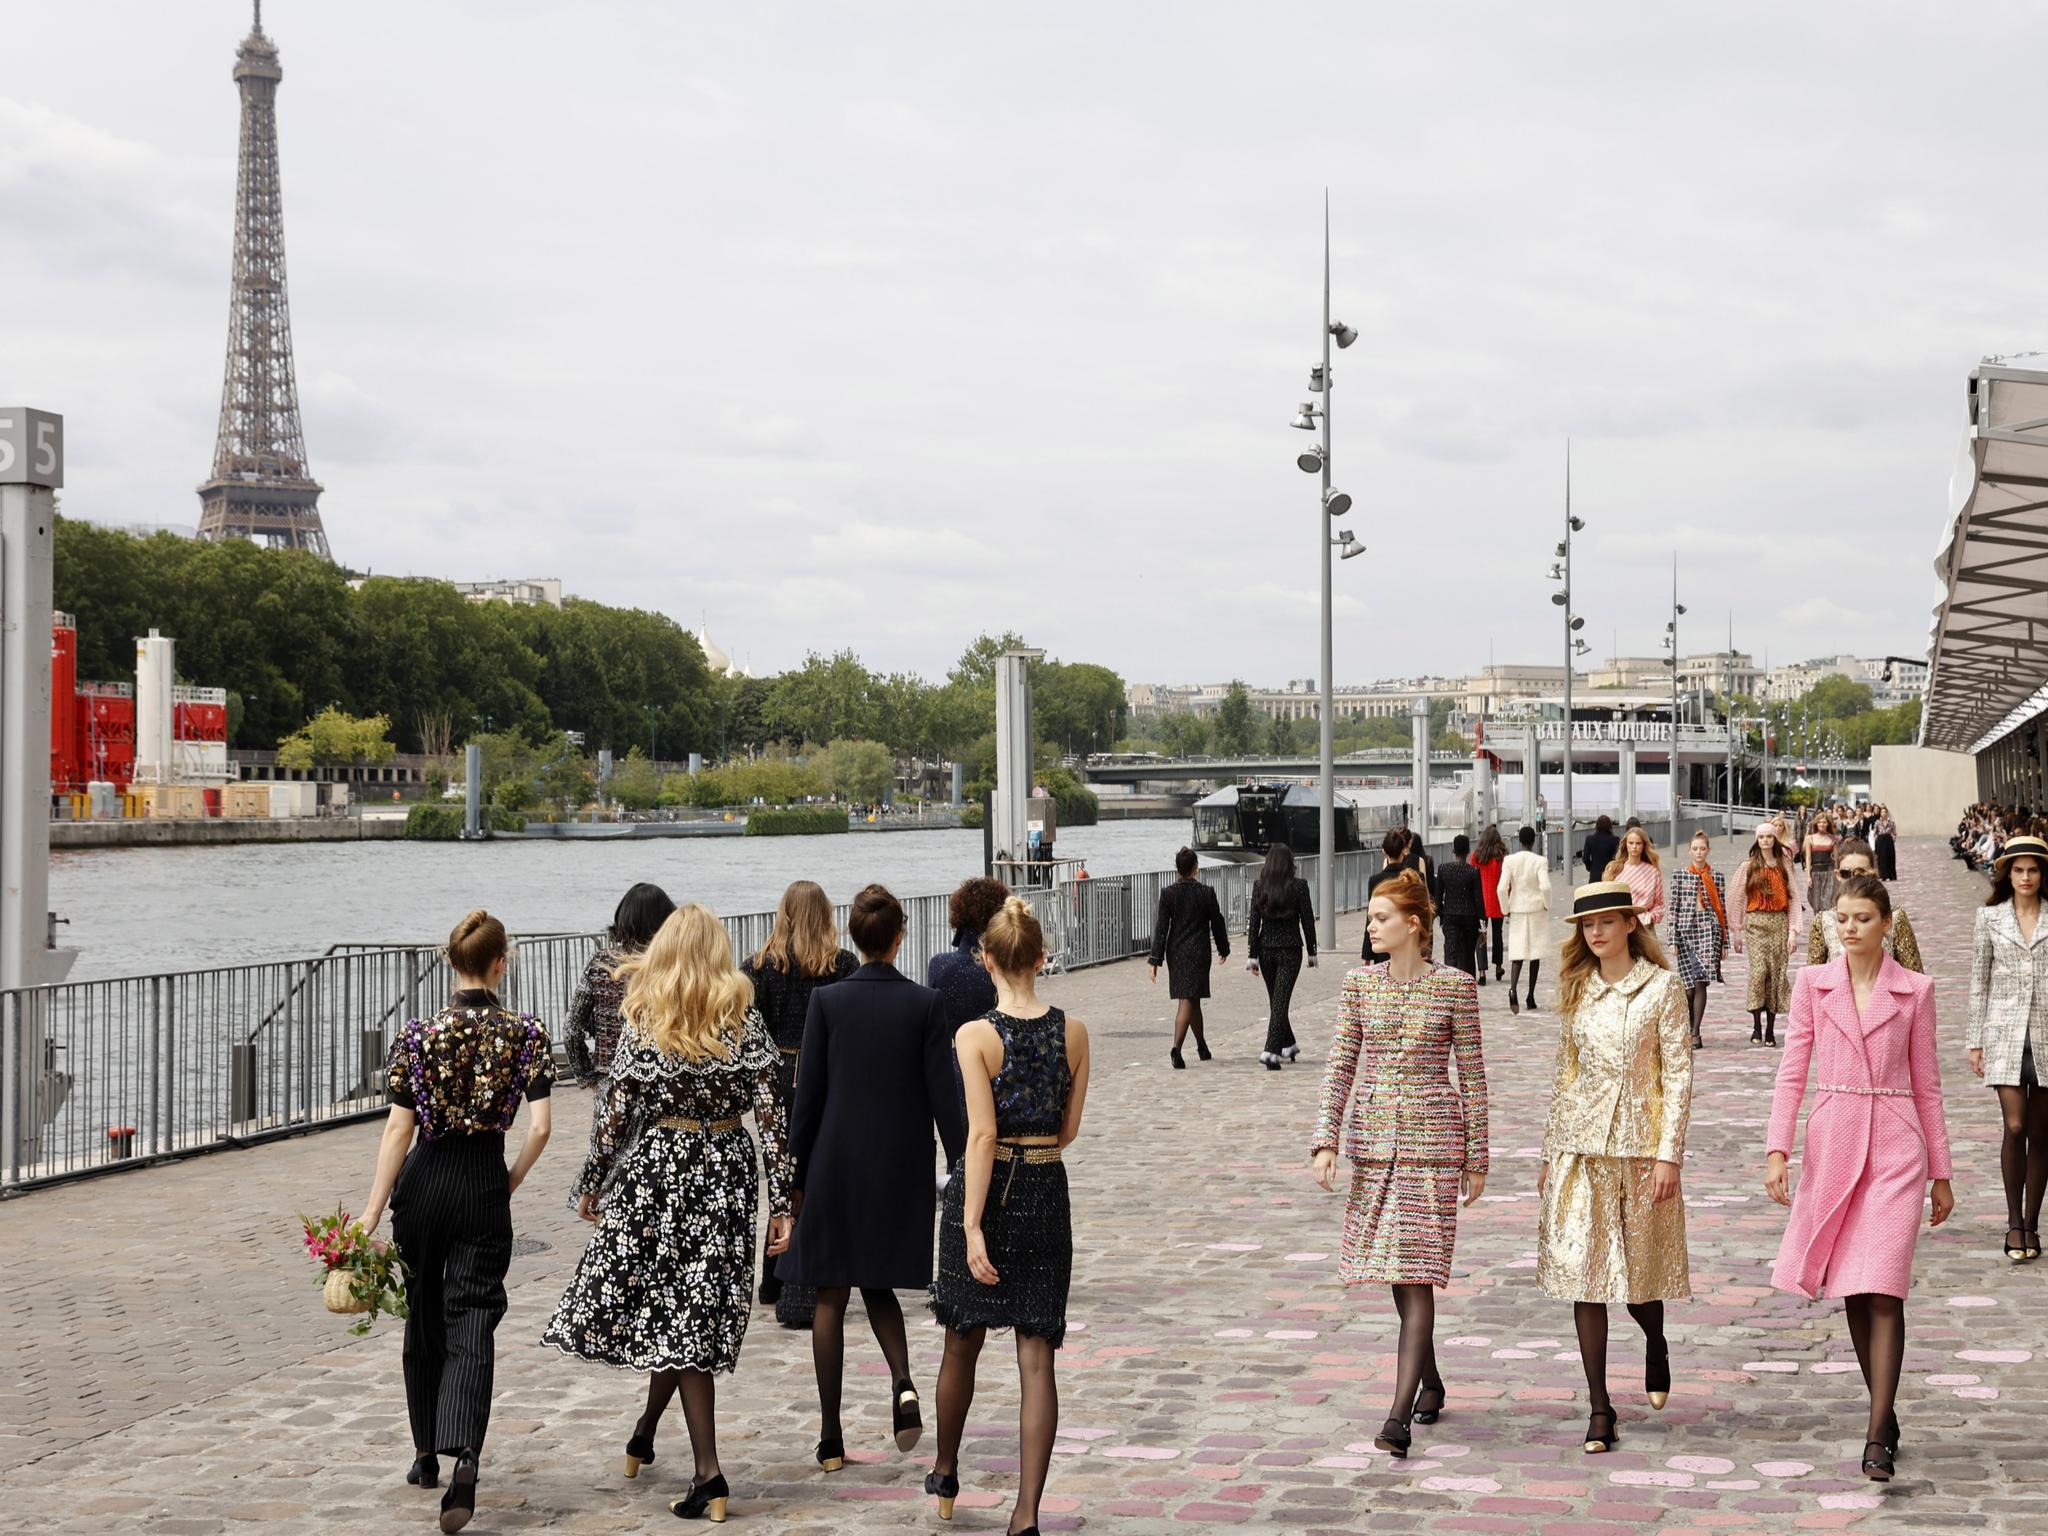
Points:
x=31 y=447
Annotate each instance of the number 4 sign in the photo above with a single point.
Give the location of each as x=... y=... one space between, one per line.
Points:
x=31 y=447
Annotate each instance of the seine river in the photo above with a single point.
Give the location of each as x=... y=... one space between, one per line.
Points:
x=135 y=910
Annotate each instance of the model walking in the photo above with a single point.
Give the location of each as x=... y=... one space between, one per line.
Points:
x=957 y=974
x=1817 y=853
x=1489 y=856
x=1637 y=866
x=1006 y=1244
x=1187 y=922
x=1768 y=897
x=1867 y=1025
x=1884 y=843
x=1699 y=928
x=1415 y=1140
x=2008 y=998
x=1283 y=926
x=594 y=1022
x=664 y=1287
x=458 y=1079
x=1397 y=852
x=1525 y=897
x=877 y=1077
x=1461 y=900
x=1613 y=1225
x=1824 y=943
x=802 y=954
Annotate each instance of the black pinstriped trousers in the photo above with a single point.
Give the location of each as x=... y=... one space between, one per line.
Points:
x=1280 y=966
x=451 y=1215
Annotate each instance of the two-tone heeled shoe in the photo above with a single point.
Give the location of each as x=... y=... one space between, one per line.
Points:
x=905 y=1421
x=425 y=1472
x=1877 y=1468
x=1597 y=1442
x=2016 y=1251
x=1291 y=1052
x=459 y=1502
x=1657 y=1373
x=832 y=1453
x=705 y=1501
x=639 y=1453
x=1429 y=1404
x=945 y=1487
x=1394 y=1438
x=2033 y=1244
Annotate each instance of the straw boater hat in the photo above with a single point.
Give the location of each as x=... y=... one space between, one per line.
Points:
x=1603 y=896
x=2023 y=847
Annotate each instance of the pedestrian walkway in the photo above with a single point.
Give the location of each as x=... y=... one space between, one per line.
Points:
x=165 y=1365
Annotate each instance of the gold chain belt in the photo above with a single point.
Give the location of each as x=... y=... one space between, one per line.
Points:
x=1013 y=1154
x=1875 y=1093
x=789 y=1050
x=681 y=1123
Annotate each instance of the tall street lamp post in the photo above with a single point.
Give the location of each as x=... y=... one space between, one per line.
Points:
x=1333 y=503
x=1573 y=647
x=1671 y=661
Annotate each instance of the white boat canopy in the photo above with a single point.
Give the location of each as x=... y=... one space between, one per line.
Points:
x=1988 y=663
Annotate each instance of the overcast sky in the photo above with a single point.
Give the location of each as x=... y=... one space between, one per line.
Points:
x=880 y=325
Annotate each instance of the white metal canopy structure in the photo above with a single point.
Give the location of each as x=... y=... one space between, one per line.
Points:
x=1989 y=657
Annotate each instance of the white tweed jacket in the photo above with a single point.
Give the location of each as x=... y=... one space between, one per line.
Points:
x=2008 y=993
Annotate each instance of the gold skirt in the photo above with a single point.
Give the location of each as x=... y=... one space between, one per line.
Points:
x=1601 y=1239
x=1768 y=937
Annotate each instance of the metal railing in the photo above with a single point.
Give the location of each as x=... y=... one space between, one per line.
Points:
x=97 y=1074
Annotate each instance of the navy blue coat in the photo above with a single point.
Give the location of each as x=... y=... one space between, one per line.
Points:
x=962 y=981
x=875 y=1077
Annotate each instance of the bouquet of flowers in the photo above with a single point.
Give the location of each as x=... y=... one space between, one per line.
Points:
x=360 y=1273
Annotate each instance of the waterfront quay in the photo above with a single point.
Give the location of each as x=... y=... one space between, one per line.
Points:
x=165 y=1365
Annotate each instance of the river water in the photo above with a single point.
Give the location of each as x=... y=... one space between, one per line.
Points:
x=135 y=910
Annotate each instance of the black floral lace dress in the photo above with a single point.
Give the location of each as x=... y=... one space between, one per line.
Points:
x=667 y=1281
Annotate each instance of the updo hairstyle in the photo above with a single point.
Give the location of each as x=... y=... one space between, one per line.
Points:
x=1013 y=941
x=477 y=944
x=876 y=920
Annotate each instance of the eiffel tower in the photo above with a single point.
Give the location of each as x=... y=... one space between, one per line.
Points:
x=260 y=488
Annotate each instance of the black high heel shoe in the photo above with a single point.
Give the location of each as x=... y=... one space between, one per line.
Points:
x=2017 y=1252
x=1891 y=1432
x=945 y=1487
x=1877 y=1468
x=1429 y=1403
x=704 y=1501
x=2033 y=1243
x=907 y=1423
x=639 y=1453
x=1596 y=1442
x=1394 y=1438
x=832 y=1454
x=1202 y=1052
x=1657 y=1373
x=425 y=1471
x=1174 y=1056
x=459 y=1502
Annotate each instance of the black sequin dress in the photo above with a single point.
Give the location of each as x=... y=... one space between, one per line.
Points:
x=1025 y=1220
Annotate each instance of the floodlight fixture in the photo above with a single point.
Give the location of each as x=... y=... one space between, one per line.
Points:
x=1336 y=503
x=1344 y=334
x=1310 y=460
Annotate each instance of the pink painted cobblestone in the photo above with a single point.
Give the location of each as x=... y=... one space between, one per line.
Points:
x=164 y=1366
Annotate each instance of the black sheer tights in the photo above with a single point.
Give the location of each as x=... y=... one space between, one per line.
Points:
x=1415 y=1365
x=1038 y=1414
x=1877 y=1325
x=700 y=1413
x=828 y=1346
x=1590 y=1318
x=1696 y=999
x=2023 y=1154
x=1515 y=978
x=1188 y=1016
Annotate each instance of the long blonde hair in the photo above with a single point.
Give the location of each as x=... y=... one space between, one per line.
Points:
x=805 y=938
x=1576 y=961
x=683 y=991
x=1620 y=860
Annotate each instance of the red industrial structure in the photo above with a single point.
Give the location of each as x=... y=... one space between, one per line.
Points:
x=92 y=725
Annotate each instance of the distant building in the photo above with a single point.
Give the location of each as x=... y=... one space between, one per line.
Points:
x=1720 y=672
x=1908 y=679
x=716 y=657
x=540 y=592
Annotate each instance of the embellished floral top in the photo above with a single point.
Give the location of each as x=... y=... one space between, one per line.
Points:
x=594 y=1014
x=1033 y=1083
x=464 y=1071
x=646 y=1084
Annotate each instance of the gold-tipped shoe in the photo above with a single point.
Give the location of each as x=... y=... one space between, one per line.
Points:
x=1595 y=1443
x=831 y=1454
x=1657 y=1375
x=639 y=1453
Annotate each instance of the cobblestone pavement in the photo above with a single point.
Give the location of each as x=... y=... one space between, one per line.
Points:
x=165 y=1365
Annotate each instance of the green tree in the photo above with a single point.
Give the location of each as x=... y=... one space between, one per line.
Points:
x=635 y=783
x=860 y=771
x=1184 y=733
x=1280 y=736
x=566 y=780
x=1236 y=721
x=1078 y=706
x=1836 y=698
x=332 y=737
x=827 y=697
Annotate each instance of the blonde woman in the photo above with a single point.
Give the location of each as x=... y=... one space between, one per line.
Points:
x=1612 y=1226
x=802 y=954
x=665 y=1286
x=1767 y=896
x=1638 y=867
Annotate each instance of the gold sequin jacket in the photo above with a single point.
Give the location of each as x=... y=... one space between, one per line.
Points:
x=1624 y=1070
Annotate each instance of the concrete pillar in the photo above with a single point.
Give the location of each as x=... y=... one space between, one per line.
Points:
x=1628 y=779
x=1532 y=773
x=1418 y=745
x=1011 y=808
x=472 y=791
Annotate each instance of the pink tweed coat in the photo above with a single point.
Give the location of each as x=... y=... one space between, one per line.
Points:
x=1863 y=1177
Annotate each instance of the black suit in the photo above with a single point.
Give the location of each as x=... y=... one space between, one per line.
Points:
x=875 y=1076
x=1461 y=903
x=1601 y=847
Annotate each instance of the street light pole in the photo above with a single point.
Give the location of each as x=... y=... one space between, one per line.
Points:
x=1671 y=644
x=1326 y=831
x=1572 y=646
